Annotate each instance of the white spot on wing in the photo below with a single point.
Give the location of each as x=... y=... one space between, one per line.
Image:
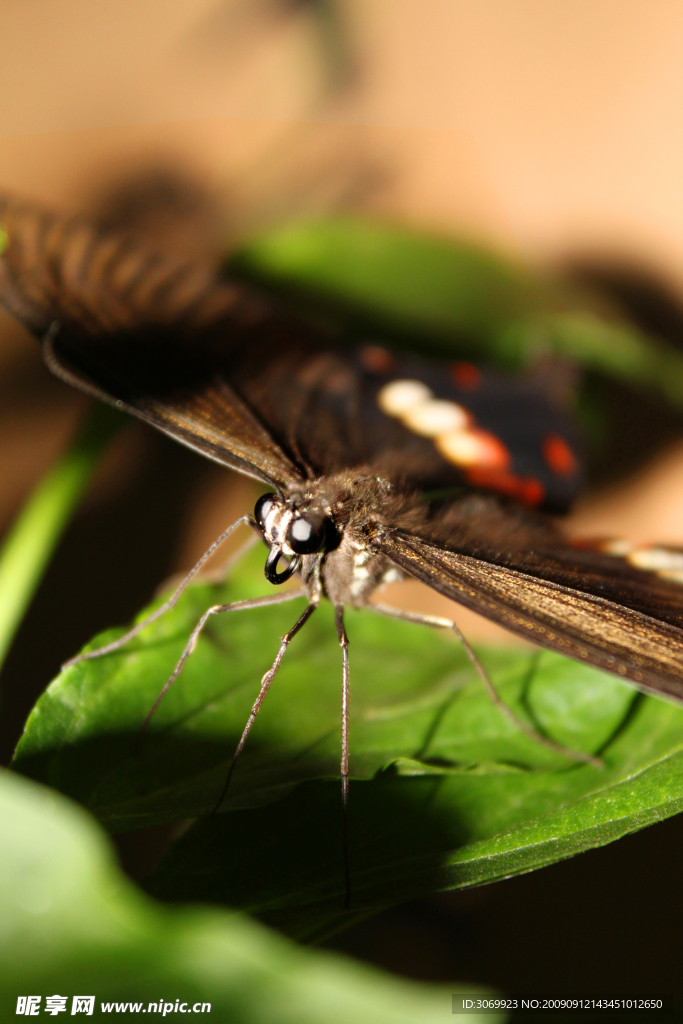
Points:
x=463 y=447
x=675 y=575
x=661 y=560
x=450 y=426
x=618 y=548
x=397 y=397
x=434 y=417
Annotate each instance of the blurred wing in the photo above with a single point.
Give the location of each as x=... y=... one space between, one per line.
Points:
x=138 y=330
x=240 y=379
x=595 y=609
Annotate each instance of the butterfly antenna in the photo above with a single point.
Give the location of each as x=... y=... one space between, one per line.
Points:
x=265 y=686
x=440 y=623
x=344 y=771
x=116 y=645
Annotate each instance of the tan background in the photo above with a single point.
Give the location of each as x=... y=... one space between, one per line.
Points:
x=546 y=125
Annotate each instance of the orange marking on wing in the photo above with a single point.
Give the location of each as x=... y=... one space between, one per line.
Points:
x=559 y=456
x=532 y=491
x=591 y=543
x=377 y=359
x=466 y=376
x=474 y=447
x=525 y=489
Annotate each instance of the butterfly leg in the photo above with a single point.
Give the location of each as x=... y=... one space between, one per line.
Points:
x=116 y=645
x=216 y=609
x=441 y=623
x=344 y=644
x=265 y=682
x=221 y=573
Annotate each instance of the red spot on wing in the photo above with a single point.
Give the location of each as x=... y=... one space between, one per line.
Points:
x=466 y=376
x=559 y=456
x=589 y=543
x=377 y=359
x=531 y=491
x=526 y=489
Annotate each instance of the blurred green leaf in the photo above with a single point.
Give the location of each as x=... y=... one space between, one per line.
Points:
x=453 y=297
x=452 y=793
x=70 y=923
x=454 y=292
x=32 y=538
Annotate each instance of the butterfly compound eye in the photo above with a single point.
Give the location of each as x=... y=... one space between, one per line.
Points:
x=263 y=507
x=306 y=535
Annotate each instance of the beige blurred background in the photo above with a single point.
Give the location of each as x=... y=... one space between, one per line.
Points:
x=549 y=129
x=542 y=125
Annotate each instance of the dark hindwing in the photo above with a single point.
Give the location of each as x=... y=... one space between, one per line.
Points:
x=584 y=604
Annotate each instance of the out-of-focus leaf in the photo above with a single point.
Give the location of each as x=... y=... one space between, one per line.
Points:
x=453 y=794
x=71 y=924
x=34 y=535
x=454 y=293
x=453 y=297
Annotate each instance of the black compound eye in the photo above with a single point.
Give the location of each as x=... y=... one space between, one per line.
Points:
x=306 y=535
x=263 y=507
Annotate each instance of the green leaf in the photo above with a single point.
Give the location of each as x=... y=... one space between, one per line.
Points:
x=35 y=533
x=451 y=297
x=70 y=923
x=397 y=278
x=449 y=791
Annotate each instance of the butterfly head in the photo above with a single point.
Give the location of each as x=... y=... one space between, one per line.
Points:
x=289 y=530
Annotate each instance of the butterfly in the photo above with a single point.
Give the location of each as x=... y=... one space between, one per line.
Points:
x=377 y=466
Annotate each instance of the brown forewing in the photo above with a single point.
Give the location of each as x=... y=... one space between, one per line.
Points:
x=591 y=627
x=196 y=408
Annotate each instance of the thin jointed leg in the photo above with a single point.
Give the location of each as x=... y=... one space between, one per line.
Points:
x=441 y=623
x=265 y=686
x=217 y=609
x=116 y=645
x=222 y=571
x=344 y=770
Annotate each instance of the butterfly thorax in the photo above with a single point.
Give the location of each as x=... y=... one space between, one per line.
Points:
x=326 y=526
